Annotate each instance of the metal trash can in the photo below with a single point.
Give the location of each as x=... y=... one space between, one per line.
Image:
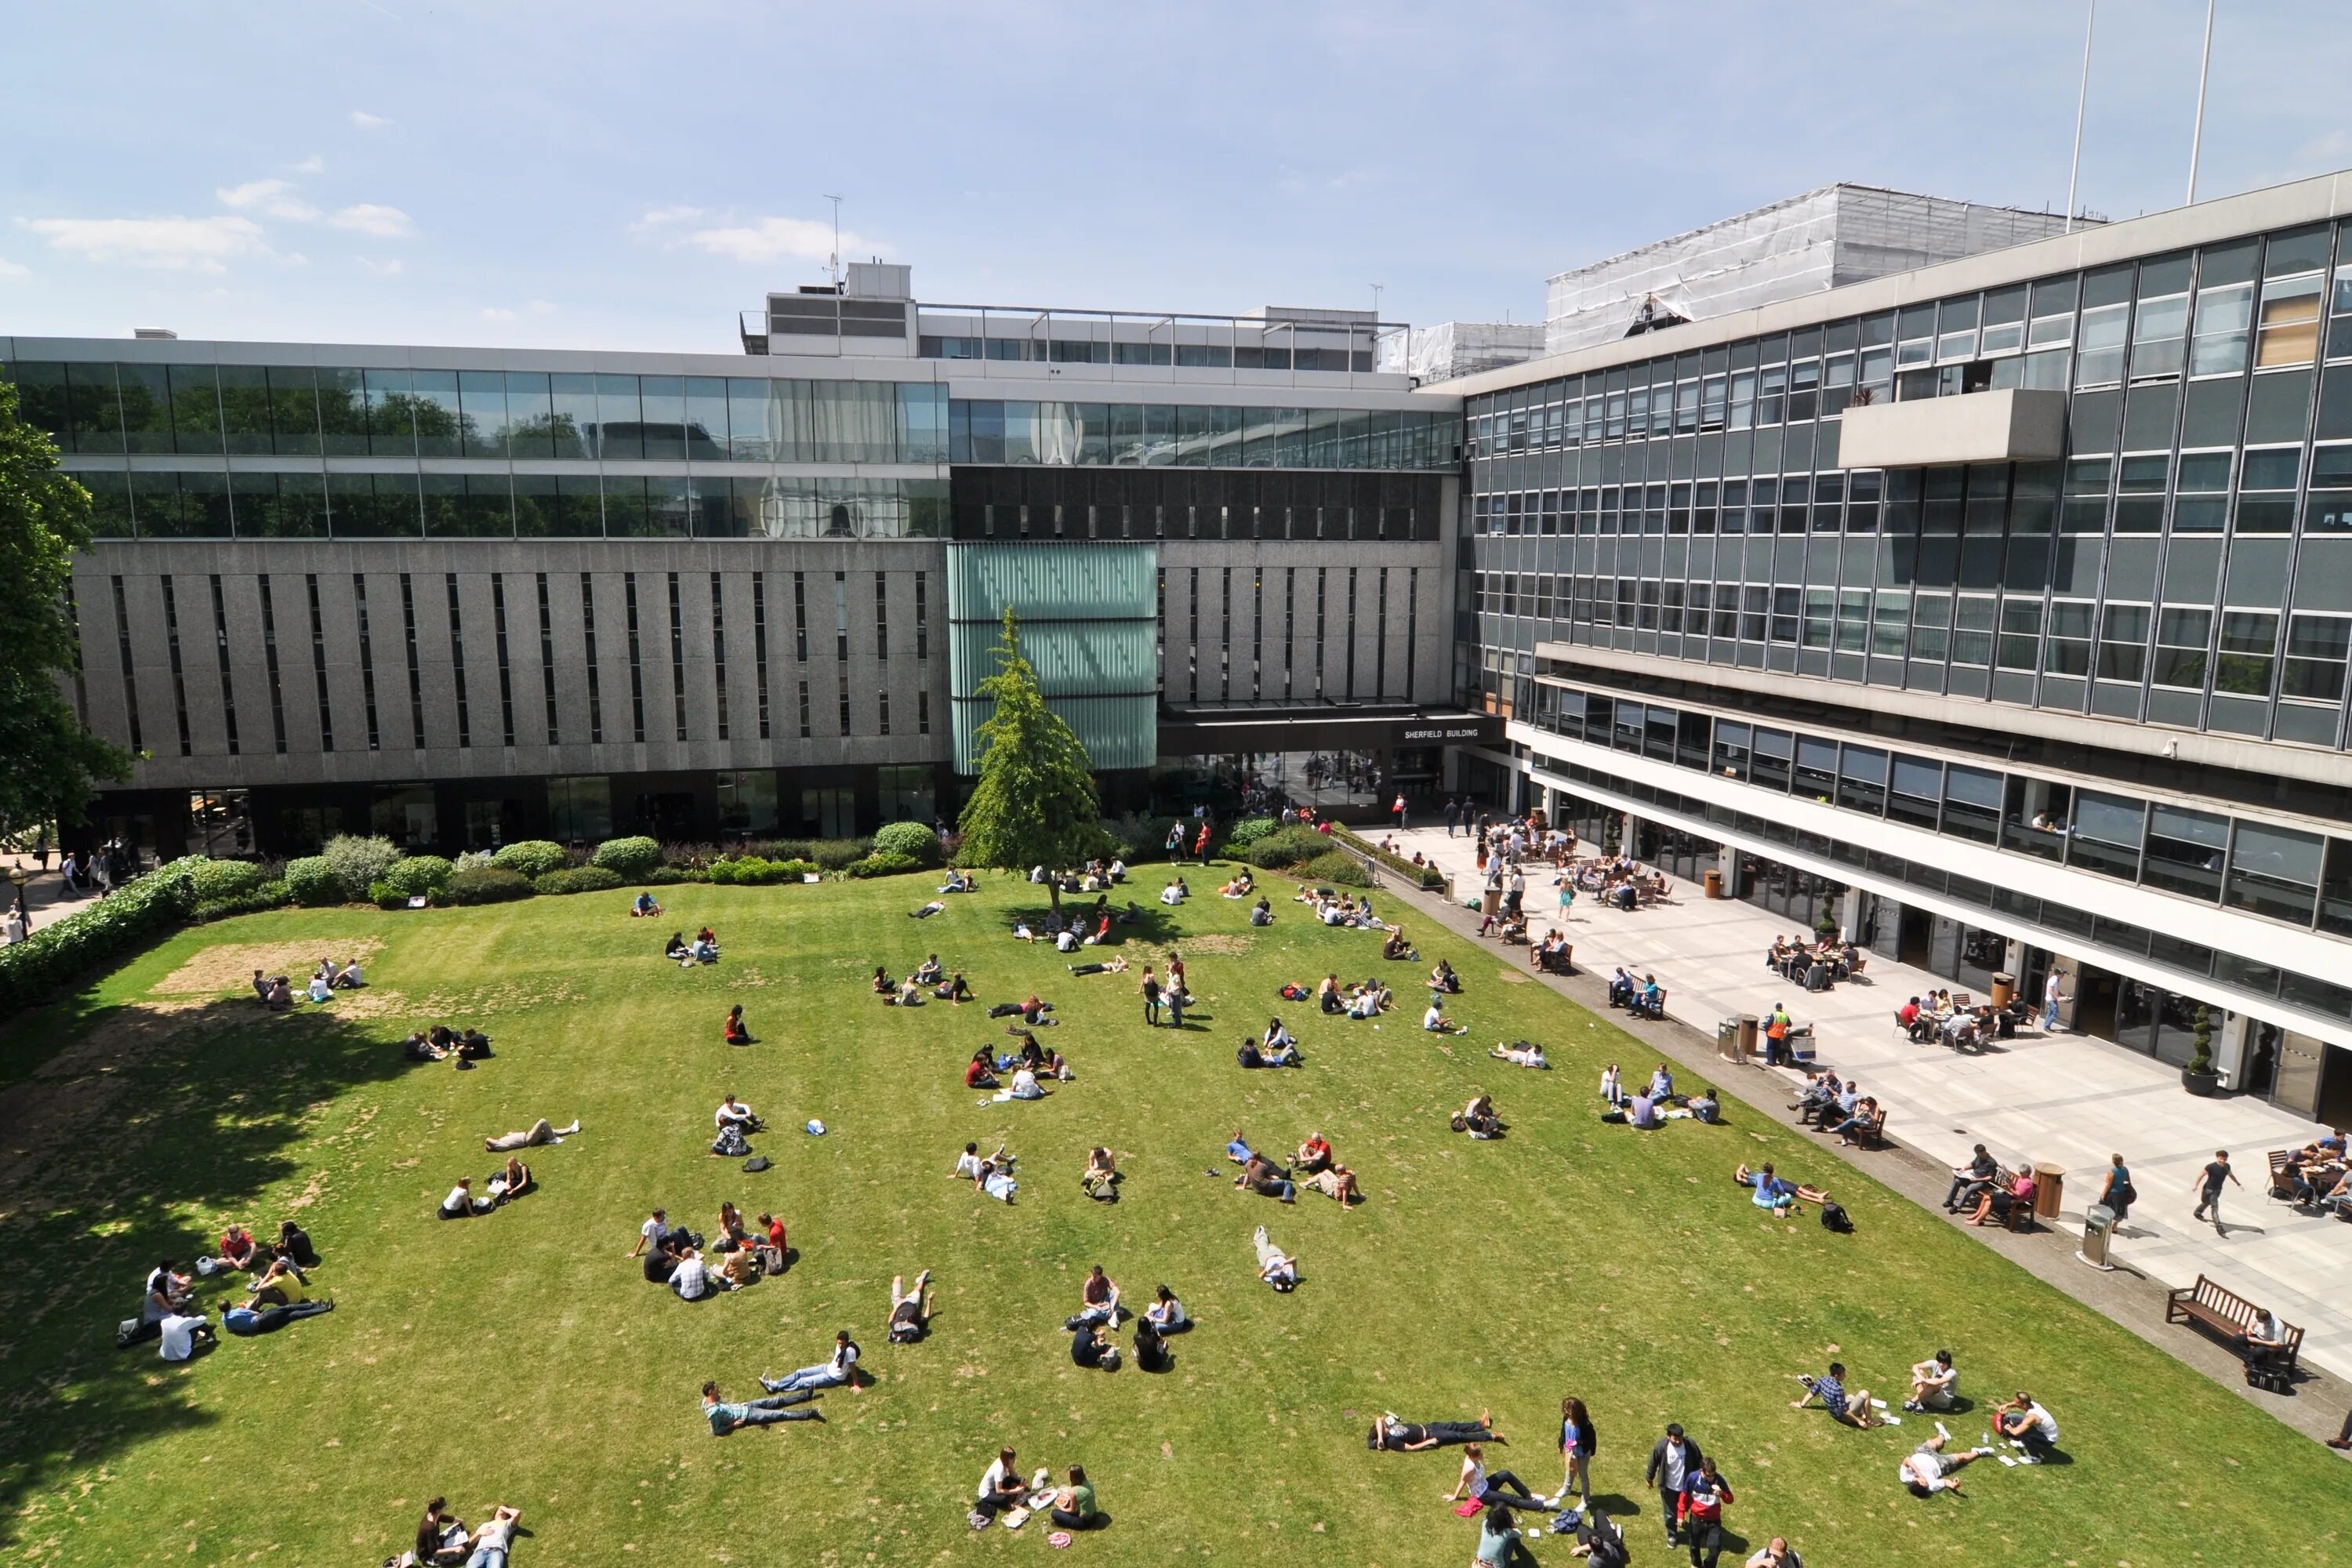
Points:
x=2049 y=1189
x=1713 y=882
x=2004 y=990
x=1748 y=1026
x=2098 y=1230
x=1727 y=1040
x=1492 y=902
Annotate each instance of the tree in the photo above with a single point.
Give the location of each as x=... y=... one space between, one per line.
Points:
x=1035 y=804
x=47 y=760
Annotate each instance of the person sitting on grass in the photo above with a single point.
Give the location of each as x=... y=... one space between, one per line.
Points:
x=1522 y=1054
x=704 y=950
x=958 y=882
x=643 y=905
x=320 y=988
x=1328 y=997
x=1478 y=1484
x=1101 y=1179
x=441 y=1537
x=1933 y=1383
x=1074 y=1505
x=1443 y=979
x=1398 y=946
x=237 y=1249
x=1152 y=1347
x=1704 y=1107
x=1266 y=1178
x=909 y=994
x=1478 y=1118
x=1775 y=1194
x=1339 y=1183
x=1392 y=1435
x=732 y=1112
x=512 y=1182
x=725 y=1417
x=1025 y=1083
x=929 y=971
x=841 y=1368
x=1313 y=1156
x=980 y=1072
x=883 y=986
x=1238 y=1150
x=1642 y=1111
x=772 y=1244
x=690 y=1277
x=2022 y=1420
x=1851 y=1409
x=1276 y=1266
x=350 y=977
x=911 y=1310
x=1099 y=1297
x=460 y=1203
x=1001 y=1487
x=730 y=1223
x=1239 y=887
x=1165 y=1313
x=676 y=948
x=1498 y=1538
x=279 y=1284
x=1174 y=892
x=734 y=1030
x=1928 y=1470
x=1262 y=912
x=1090 y=1346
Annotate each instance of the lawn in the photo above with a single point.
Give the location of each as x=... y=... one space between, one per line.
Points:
x=522 y=1358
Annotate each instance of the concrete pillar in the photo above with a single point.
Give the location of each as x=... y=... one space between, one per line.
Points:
x=1849 y=911
x=2231 y=1033
x=1727 y=860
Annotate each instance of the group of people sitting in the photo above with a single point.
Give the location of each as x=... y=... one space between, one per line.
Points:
x=1333 y=908
x=442 y=1043
x=1933 y=1383
x=1979 y=1192
x=1552 y=952
x=926 y=982
x=1175 y=892
x=1094 y=876
x=1276 y=1049
x=1100 y=1312
x=1643 y=998
x=1619 y=883
x=1005 y=1496
x=2316 y=1176
x=992 y=1174
x=1657 y=1102
x=1831 y=1106
x=1816 y=965
x=1934 y=1017
x=1775 y=1194
x=506 y=1183
x=278 y=1290
x=1312 y=1166
x=674 y=1256
x=1018 y=1074
x=703 y=949
x=1368 y=1000
x=1478 y=1118
x=444 y=1542
x=276 y=992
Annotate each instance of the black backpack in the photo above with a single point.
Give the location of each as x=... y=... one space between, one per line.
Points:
x=1833 y=1217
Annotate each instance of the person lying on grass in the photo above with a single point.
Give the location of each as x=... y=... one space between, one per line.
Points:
x=1851 y=1409
x=1928 y=1470
x=1276 y=1266
x=1108 y=967
x=1774 y=1192
x=1521 y=1053
x=1266 y=1178
x=1337 y=1182
x=1393 y=1434
x=495 y=1539
x=911 y=1310
x=839 y=1369
x=725 y=1417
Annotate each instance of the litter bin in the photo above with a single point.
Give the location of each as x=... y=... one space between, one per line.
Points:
x=1727 y=1040
x=2004 y=990
x=2049 y=1188
x=2098 y=1230
x=1714 y=883
x=1492 y=902
x=1748 y=1023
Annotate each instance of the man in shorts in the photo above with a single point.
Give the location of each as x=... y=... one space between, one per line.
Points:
x=1929 y=1469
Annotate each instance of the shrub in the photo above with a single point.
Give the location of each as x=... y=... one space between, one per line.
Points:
x=666 y=877
x=1426 y=877
x=752 y=871
x=628 y=857
x=882 y=864
x=385 y=896
x=218 y=880
x=486 y=885
x=1339 y=869
x=836 y=853
x=1249 y=830
x=269 y=895
x=915 y=841
x=1288 y=847
x=415 y=874
x=65 y=950
x=1137 y=835
x=312 y=880
x=578 y=879
x=358 y=861
x=532 y=857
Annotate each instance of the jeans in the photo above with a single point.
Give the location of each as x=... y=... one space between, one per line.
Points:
x=2049 y=1017
x=768 y=1411
x=487 y=1557
x=822 y=1375
x=1152 y=1012
x=1069 y=1520
x=1504 y=1487
x=2210 y=1202
x=1964 y=1189
x=1176 y=1011
x=1706 y=1535
x=1456 y=1432
x=1289 y=1193
x=1669 y=1499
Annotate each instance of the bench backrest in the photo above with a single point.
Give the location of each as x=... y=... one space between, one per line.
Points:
x=2228 y=1303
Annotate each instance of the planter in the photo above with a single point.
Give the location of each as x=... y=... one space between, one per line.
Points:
x=2203 y=1085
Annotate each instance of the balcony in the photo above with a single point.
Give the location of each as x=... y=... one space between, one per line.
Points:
x=2013 y=423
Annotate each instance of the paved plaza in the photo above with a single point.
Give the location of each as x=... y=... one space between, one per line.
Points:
x=2063 y=1099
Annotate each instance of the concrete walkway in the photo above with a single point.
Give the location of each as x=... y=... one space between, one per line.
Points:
x=2060 y=1099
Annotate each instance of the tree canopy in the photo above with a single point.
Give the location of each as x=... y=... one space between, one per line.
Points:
x=47 y=760
x=1035 y=804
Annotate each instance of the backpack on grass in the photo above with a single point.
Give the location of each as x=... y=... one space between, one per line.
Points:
x=1833 y=1217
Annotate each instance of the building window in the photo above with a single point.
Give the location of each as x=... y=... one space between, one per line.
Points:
x=269 y=663
x=1321 y=584
x=547 y=656
x=677 y=662
x=2021 y=634
x=179 y=669
x=319 y=664
x=1226 y=637
x=804 y=711
x=1351 y=632
x=220 y=655
x=1159 y=625
x=636 y=661
x=922 y=615
x=2289 y=330
x=367 y=662
x=588 y=637
x=2249 y=650
x=800 y=616
x=1289 y=627
x=2123 y=642
x=2067 y=650
x=760 y=643
x=129 y=676
x=1258 y=629
x=841 y=646
x=1380 y=636
x=506 y=672
x=922 y=712
x=2225 y=317
x=882 y=712
x=1193 y=637
x=457 y=662
x=2183 y=641
x=882 y=614
x=1412 y=623
x=717 y=653
x=2316 y=649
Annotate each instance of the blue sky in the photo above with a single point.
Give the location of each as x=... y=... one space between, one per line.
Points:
x=593 y=176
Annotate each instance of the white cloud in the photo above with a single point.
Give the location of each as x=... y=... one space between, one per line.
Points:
x=366 y=121
x=11 y=270
x=271 y=198
x=492 y=313
x=534 y=308
x=173 y=244
x=662 y=217
x=781 y=238
x=381 y=268
x=385 y=223
x=313 y=165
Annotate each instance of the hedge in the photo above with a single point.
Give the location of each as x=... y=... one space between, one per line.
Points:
x=67 y=950
x=1339 y=869
x=415 y=874
x=882 y=865
x=628 y=857
x=1288 y=847
x=915 y=841
x=216 y=880
x=752 y=872
x=269 y=895
x=311 y=880
x=1248 y=831
x=836 y=853
x=486 y=885
x=532 y=857
x=359 y=863
x=578 y=879
x=1425 y=876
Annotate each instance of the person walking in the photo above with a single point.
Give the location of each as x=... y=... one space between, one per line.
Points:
x=1705 y=1494
x=1398 y=811
x=1175 y=843
x=1578 y=1442
x=2117 y=1191
x=2053 y=998
x=1151 y=998
x=1673 y=1459
x=2207 y=1184
x=1567 y=881
x=1452 y=815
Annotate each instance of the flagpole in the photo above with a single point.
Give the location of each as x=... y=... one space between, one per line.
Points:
x=2081 y=99
x=2197 y=137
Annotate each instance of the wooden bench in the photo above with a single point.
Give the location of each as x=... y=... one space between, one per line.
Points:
x=2020 y=1215
x=2226 y=1313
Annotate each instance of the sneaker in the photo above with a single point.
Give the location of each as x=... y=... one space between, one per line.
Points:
x=772 y=1384
x=1913 y=1405
x=816 y=1415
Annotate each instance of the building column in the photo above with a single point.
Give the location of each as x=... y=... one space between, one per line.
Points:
x=2230 y=1046
x=1849 y=911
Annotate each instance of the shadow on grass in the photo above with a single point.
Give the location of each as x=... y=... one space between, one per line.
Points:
x=139 y=1115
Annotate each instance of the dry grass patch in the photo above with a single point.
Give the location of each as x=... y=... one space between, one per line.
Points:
x=230 y=967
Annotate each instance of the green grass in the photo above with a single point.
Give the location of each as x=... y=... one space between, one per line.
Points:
x=521 y=1358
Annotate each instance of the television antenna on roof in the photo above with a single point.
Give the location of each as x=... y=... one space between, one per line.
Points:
x=833 y=262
